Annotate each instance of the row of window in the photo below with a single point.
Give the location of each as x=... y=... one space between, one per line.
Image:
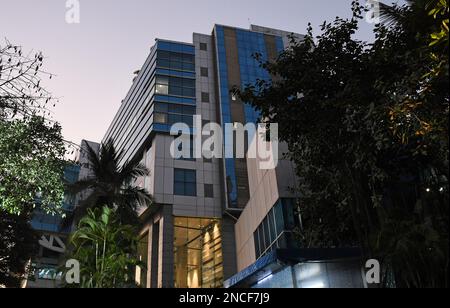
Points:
x=175 y=61
x=176 y=65
x=173 y=113
x=185 y=184
x=175 y=108
x=179 y=61
x=176 y=47
x=276 y=230
x=171 y=119
x=175 y=99
x=175 y=57
x=168 y=85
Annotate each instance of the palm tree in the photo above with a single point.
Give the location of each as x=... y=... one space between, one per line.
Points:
x=105 y=249
x=111 y=185
x=413 y=16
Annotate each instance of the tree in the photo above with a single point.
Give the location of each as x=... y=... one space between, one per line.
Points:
x=21 y=92
x=31 y=165
x=367 y=126
x=31 y=146
x=17 y=245
x=111 y=185
x=105 y=250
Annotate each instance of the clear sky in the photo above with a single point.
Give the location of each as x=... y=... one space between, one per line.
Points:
x=94 y=60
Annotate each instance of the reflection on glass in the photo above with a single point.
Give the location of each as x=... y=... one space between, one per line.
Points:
x=141 y=272
x=198 y=253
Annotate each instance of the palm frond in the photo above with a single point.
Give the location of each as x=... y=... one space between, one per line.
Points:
x=81 y=185
x=132 y=171
x=391 y=14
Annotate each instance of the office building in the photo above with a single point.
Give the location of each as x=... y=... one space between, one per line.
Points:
x=212 y=218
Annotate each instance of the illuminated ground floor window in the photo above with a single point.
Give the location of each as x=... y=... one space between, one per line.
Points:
x=141 y=271
x=198 y=253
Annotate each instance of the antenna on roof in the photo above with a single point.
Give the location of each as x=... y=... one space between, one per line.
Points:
x=249 y=23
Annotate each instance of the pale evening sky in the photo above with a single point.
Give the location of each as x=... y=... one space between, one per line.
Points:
x=94 y=60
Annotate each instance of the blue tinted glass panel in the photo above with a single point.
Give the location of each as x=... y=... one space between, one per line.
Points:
x=191 y=189
x=185 y=182
x=179 y=175
x=190 y=176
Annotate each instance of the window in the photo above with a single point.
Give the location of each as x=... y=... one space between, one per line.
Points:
x=276 y=230
x=166 y=85
x=159 y=107
x=256 y=239
x=191 y=150
x=204 y=72
x=267 y=237
x=141 y=271
x=160 y=118
x=205 y=97
x=185 y=182
x=209 y=191
x=279 y=219
x=176 y=61
x=162 y=89
x=174 y=113
x=203 y=46
x=198 y=257
x=162 y=85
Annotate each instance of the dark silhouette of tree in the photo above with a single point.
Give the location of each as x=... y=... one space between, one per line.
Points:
x=367 y=126
x=18 y=243
x=111 y=185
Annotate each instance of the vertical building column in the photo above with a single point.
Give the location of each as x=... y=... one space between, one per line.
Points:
x=149 y=255
x=154 y=259
x=228 y=248
x=165 y=255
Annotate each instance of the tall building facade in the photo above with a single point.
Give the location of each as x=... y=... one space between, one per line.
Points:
x=211 y=218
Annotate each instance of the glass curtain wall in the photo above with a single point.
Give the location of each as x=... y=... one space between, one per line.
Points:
x=198 y=253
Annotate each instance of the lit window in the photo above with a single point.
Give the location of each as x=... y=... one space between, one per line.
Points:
x=162 y=89
x=175 y=86
x=198 y=257
x=160 y=118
